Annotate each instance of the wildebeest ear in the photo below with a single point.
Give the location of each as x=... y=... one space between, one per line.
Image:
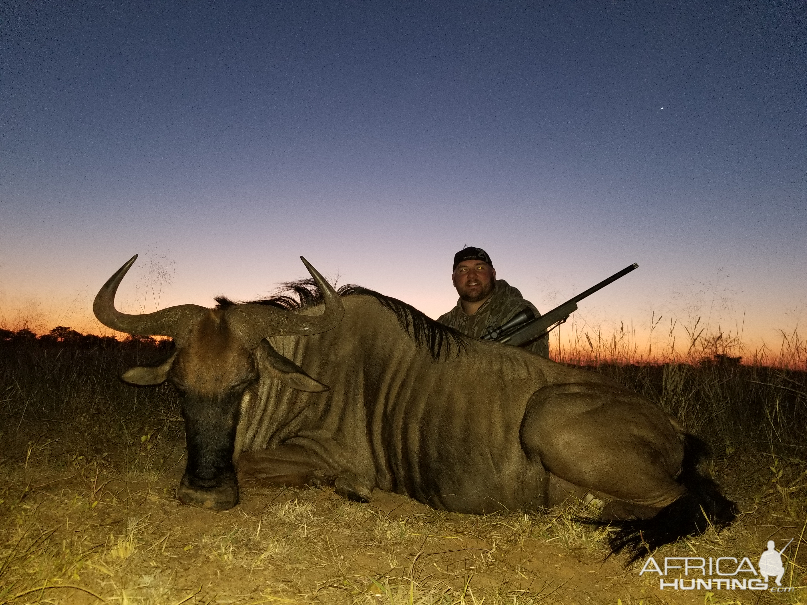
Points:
x=270 y=360
x=145 y=376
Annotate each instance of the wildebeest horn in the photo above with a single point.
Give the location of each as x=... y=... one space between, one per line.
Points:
x=167 y=322
x=263 y=320
x=266 y=321
x=334 y=310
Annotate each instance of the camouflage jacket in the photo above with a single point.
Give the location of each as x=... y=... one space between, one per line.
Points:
x=505 y=302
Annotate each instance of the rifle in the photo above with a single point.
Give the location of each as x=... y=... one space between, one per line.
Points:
x=785 y=546
x=524 y=327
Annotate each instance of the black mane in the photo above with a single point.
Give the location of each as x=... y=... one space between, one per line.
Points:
x=441 y=341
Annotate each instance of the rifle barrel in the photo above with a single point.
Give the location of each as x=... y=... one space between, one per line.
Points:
x=532 y=329
x=785 y=546
x=604 y=283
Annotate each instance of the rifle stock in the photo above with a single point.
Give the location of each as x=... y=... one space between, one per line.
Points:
x=539 y=326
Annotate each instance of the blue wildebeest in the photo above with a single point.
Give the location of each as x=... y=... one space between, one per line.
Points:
x=362 y=391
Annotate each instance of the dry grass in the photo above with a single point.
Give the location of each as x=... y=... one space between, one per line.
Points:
x=671 y=342
x=706 y=383
x=87 y=510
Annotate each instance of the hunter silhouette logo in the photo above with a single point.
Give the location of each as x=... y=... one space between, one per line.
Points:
x=721 y=573
x=770 y=563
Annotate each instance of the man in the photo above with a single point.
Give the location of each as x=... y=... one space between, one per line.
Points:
x=485 y=302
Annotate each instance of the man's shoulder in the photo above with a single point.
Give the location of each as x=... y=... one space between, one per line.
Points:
x=505 y=290
x=505 y=293
x=450 y=316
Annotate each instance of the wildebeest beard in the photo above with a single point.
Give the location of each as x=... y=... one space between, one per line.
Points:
x=441 y=341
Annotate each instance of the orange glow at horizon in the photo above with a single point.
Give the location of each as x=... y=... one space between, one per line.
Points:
x=574 y=341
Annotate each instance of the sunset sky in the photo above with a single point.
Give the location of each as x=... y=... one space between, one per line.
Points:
x=222 y=140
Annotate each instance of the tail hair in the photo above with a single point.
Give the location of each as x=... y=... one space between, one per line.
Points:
x=701 y=506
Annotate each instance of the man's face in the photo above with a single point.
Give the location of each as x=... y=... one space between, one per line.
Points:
x=474 y=280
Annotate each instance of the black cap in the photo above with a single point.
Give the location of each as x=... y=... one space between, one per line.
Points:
x=471 y=253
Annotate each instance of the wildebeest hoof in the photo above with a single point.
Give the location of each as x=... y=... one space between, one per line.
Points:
x=320 y=479
x=221 y=497
x=349 y=486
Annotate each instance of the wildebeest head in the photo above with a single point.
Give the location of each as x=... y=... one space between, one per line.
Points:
x=219 y=354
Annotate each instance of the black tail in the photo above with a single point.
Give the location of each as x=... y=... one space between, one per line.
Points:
x=702 y=505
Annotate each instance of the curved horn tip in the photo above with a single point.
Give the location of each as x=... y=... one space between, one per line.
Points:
x=314 y=273
x=131 y=261
x=117 y=277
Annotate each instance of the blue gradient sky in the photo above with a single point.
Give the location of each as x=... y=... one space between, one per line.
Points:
x=222 y=140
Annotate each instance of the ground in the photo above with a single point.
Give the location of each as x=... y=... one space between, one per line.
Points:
x=84 y=531
x=89 y=468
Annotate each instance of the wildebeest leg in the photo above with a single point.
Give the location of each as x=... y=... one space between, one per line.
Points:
x=621 y=446
x=560 y=491
x=294 y=466
x=607 y=441
x=350 y=486
x=288 y=465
